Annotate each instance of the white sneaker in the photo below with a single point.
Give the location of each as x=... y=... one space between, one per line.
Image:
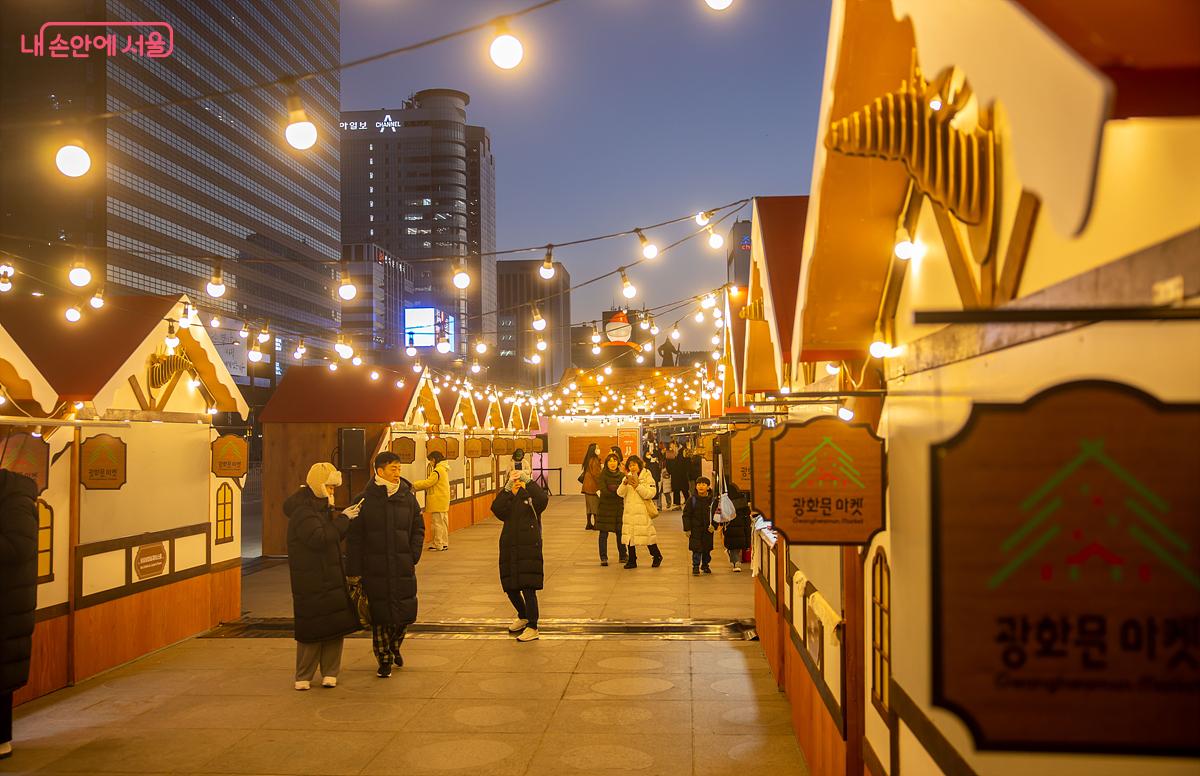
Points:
x=529 y=634
x=445 y=547
x=737 y=569
x=329 y=681
x=518 y=625
x=302 y=685
x=432 y=547
x=6 y=750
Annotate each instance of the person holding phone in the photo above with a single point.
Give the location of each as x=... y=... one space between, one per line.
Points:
x=519 y=507
x=323 y=611
x=637 y=522
x=437 y=500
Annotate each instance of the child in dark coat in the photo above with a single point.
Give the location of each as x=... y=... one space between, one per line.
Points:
x=697 y=524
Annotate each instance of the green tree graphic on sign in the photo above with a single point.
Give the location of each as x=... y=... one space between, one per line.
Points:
x=827 y=465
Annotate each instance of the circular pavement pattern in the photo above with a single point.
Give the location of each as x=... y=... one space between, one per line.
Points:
x=634 y=685
x=458 y=754
x=606 y=758
x=630 y=664
x=621 y=715
x=488 y=716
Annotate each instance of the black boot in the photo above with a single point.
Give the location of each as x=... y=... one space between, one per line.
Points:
x=695 y=571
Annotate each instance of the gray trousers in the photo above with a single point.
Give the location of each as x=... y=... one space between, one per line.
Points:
x=326 y=654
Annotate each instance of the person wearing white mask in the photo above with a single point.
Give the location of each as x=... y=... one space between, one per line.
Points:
x=383 y=549
x=323 y=612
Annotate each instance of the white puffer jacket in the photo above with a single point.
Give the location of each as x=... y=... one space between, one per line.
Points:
x=637 y=527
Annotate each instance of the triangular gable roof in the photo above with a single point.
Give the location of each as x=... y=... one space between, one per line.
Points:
x=534 y=424
x=495 y=415
x=313 y=394
x=448 y=404
x=79 y=359
x=465 y=412
x=516 y=417
x=425 y=406
x=779 y=225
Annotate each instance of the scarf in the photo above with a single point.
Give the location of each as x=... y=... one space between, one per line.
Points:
x=392 y=487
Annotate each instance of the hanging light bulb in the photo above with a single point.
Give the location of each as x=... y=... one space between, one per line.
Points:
x=300 y=133
x=73 y=314
x=172 y=339
x=703 y=217
x=718 y=313
x=535 y=359
x=79 y=274
x=462 y=279
x=333 y=366
x=481 y=347
x=417 y=367
x=718 y=322
x=399 y=383
x=645 y=322
x=6 y=275
x=264 y=334
x=608 y=370
x=475 y=367
x=216 y=285
x=595 y=334
x=97 y=300
x=653 y=327
x=214 y=322
x=715 y=240
x=506 y=51
x=640 y=358
x=185 y=320
x=646 y=346
x=595 y=350
x=72 y=160
x=357 y=361
x=628 y=290
x=573 y=386
x=718 y=5
x=255 y=353
x=716 y=339
x=699 y=316
x=707 y=301
x=846 y=414
x=298 y=354
x=539 y=323
x=649 y=249
x=541 y=344
x=547 y=269
x=832 y=368
x=443 y=344
x=244 y=332
x=346 y=288
x=734 y=290
x=343 y=348
x=675 y=332
x=879 y=349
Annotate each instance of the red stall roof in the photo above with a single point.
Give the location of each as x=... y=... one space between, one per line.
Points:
x=314 y=394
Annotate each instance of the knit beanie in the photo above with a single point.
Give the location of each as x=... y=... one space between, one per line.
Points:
x=322 y=477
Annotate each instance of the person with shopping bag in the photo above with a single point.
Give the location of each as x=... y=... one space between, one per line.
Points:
x=589 y=481
x=322 y=609
x=733 y=517
x=637 y=517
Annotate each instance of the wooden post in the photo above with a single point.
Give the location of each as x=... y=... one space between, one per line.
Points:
x=853 y=645
x=72 y=544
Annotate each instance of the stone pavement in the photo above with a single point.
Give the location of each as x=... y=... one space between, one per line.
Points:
x=459 y=705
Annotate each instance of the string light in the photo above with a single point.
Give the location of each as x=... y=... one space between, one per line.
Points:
x=506 y=51
x=97 y=300
x=475 y=368
x=649 y=249
x=675 y=332
x=715 y=240
x=79 y=274
x=707 y=301
x=716 y=339
x=264 y=335
x=547 y=269
x=357 y=361
x=216 y=285
x=628 y=290
x=462 y=279
x=7 y=271
x=73 y=314
x=244 y=332
x=333 y=366
x=346 y=288
x=699 y=316
x=539 y=323
x=443 y=344
x=645 y=322
x=171 y=340
x=703 y=217
x=718 y=5
x=255 y=353
x=185 y=320
x=595 y=335
x=907 y=248
x=214 y=322
x=73 y=160
x=417 y=367
x=879 y=349
x=734 y=290
x=541 y=344
x=845 y=413
x=640 y=358
x=481 y=347
x=653 y=327
x=343 y=348
x=535 y=359
x=399 y=383
x=646 y=346
x=595 y=350
x=832 y=368
x=300 y=133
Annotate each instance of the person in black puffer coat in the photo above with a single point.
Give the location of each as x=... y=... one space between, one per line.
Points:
x=324 y=613
x=18 y=591
x=383 y=549
x=612 y=507
x=737 y=531
x=519 y=506
x=697 y=524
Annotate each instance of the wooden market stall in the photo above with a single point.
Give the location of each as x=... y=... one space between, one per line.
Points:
x=139 y=496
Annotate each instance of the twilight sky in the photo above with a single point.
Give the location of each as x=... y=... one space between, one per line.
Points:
x=623 y=113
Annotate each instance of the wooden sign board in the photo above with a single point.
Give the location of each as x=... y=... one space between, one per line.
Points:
x=828 y=480
x=537 y=444
x=103 y=463
x=23 y=453
x=577 y=446
x=485 y=447
x=230 y=456
x=739 y=455
x=405 y=447
x=760 y=467
x=1066 y=573
x=150 y=560
x=452 y=448
x=436 y=445
x=503 y=446
x=473 y=447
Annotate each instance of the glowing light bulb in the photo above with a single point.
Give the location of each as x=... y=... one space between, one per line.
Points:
x=410 y=351
x=539 y=323
x=333 y=367
x=715 y=240
x=734 y=290
x=699 y=316
x=216 y=285
x=343 y=348
x=185 y=320
x=935 y=104
x=264 y=335
x=481 y=347
x=214 y=322
x=595 y=350
x=461 y=278
x=703 y=217
x=716 y=339
x=832 y=369
x=73 y=313
x=417 y=367
x=506 y=51
x=300 y=133
x=547 y=269
x=846 y=414
x=628 y=290
x=73 y=161
x=79 y=274
x=296 y=354
x=718 y=322
x=346 y=288
x=644 y=323
x=443 y=344
x=595 y=335
x=171 y=340
x=255 y=354
x=675 y=333
x=649 y=249
x=654 y=328
x=535 y=359
x=640 y=358
x=97 y=300
x=475 y=367
x=357 y=361
x=374 y=375
x=541 y=344
x=244 y=332
x=879 y=349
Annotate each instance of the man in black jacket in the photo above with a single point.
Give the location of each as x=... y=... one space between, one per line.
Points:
x=680 y=468
x=383 y=548
x=18 y=591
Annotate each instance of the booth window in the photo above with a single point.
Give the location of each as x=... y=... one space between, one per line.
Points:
x=881 y=631
x=45 y=555
x=224 y=513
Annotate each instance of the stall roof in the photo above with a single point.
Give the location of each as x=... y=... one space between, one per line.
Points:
x=313 y=394
x=448 y=402
x=79 y=359
x=782 y=222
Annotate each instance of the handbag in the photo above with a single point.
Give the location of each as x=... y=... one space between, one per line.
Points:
x=361 y=606
x=651 y=508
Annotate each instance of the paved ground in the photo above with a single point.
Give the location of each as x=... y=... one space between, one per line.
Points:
x=467 y=705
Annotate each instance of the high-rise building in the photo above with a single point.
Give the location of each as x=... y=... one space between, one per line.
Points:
x=420 y=182
x=738 y=260
x=374 y=319
x=521 y=292
x=172 y=190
